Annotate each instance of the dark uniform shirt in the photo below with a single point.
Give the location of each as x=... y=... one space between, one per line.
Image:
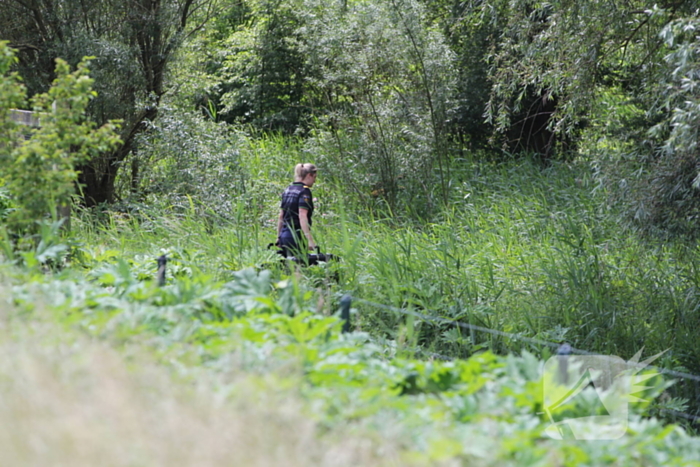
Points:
x=295 y=196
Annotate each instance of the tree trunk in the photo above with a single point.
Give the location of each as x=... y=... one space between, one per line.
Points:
x=97 y=186
x=97 y=177
x=135 y=176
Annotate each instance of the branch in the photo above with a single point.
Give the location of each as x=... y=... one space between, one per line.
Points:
x=210 y=13
x=185 y=14
x=627 y=41
x=24 y=47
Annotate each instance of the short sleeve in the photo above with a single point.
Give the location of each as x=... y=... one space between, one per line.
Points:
x=305 y=201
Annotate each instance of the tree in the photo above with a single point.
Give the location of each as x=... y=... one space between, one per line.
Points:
x=579 y=54
x=133 y=42
x=562 y=52
x=471 y=34
x=369 y=85
x=257 y=71
x=38 y=170
x=672 y=196
x=381 y=83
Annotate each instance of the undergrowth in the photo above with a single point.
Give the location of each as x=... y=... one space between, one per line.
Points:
x=527 y=251
x=520 y=249
x=359 y=399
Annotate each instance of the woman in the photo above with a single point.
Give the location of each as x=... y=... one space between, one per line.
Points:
x=294 y=223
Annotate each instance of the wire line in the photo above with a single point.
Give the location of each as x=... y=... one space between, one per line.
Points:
x=554 y=345
x=572 y=350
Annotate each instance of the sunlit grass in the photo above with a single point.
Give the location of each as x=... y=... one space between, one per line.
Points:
x=521 y=249
x=70 y=400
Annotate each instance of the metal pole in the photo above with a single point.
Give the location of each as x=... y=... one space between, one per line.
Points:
x=563 y=353
x=160 y=275
x=345 y=312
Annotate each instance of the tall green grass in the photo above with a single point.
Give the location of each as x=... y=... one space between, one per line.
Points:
x=530 y=251
x=523 y=249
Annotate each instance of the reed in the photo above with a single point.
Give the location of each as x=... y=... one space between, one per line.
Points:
x=532 y=251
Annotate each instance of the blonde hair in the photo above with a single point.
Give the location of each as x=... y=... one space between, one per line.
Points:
x=302 y=170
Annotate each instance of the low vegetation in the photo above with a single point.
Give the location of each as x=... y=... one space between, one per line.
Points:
x=470 y=248
x=248 y=370
x=523 y=251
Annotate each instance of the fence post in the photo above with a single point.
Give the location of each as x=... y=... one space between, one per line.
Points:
x=160 y=275
x=563 y=353
x=345 y=312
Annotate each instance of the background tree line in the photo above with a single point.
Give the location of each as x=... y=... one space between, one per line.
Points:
x=389 y=97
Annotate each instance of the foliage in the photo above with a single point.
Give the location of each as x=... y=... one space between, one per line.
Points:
x=531 y=253
x=371 y=84
x=386 y=79
x=471 y=37
x=388 y=95
x=133 y=44
x=39 y=171
x=555 y=65
x=248 y=68
x=674 y=199
x=681 y=37
x=437 y=410
x=263 y=71
x=561 y=51
x=60 y=384
x=186 y=161
x=12 y=95
x=6 y=205
x=524 y=252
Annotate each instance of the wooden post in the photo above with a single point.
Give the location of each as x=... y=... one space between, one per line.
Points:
x=563 y=354
x=63 y=211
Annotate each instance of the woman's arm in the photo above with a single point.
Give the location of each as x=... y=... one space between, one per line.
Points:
x=304 y=221
x=280 y=224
